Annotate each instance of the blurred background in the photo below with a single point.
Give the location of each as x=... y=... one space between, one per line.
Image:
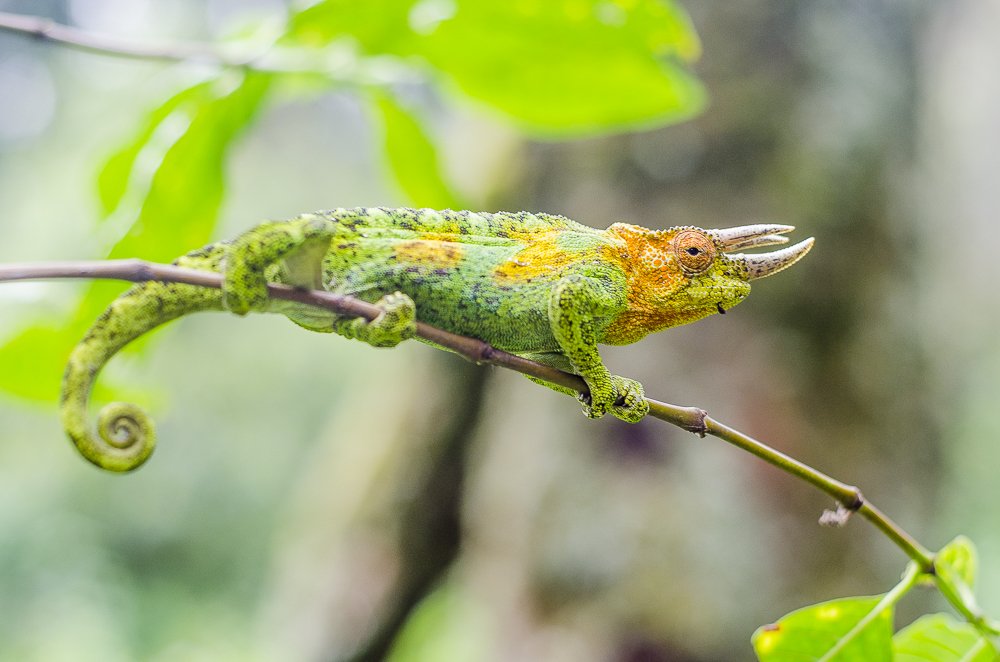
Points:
x=316 y=499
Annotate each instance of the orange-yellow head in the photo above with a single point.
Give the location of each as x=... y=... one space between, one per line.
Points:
x=683 y=274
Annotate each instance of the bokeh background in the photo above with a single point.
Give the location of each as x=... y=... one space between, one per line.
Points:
x=314 y=499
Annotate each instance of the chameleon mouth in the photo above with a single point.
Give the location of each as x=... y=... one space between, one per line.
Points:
x=760 y=265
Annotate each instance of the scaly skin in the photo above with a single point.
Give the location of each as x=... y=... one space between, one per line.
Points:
x=537 y=285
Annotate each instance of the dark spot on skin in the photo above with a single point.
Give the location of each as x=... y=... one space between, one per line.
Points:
x=441 y=272
x=722 y=311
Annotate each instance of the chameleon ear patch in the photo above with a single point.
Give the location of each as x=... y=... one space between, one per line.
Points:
x=694 y=251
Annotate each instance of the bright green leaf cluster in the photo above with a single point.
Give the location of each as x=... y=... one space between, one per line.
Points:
x=557 y=67
x=860 y=629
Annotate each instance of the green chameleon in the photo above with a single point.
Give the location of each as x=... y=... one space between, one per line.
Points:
x=536 y=285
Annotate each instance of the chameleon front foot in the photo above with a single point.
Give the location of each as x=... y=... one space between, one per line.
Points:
x=623 y=398
x=397 y=322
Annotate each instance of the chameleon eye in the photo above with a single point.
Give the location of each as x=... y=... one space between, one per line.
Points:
x=694 y=250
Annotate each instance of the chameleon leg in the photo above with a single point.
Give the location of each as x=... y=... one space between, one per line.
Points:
x=575 y=302
x=396 y=323
x=298 y=245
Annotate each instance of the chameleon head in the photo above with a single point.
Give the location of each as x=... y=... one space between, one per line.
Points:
x=716 y=279
x=683 y=274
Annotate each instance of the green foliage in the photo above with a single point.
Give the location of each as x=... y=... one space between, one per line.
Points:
x=940 y=638
x=608 y=64
x=412 y=158
x=959 y=558
x=444 y=626
x=844 y=630
x=116 y=173
x=861 y=628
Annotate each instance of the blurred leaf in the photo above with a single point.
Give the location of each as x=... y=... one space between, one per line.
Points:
x=570 y=67
x=178 y=215
x=181 y=207
x=28 y=366
x=940 y=638
x=558 y=67
x=113 y=178
x=444 y=626
x=378 y=27
x=960 y=555
x=412 y=157
x=839 y=630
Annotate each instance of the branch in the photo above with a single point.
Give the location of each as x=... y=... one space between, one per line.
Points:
x=287 y=61
x=44 y=29
x=691 y=419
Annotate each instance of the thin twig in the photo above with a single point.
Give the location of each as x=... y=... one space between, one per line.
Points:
x=691 y=419
x=47 y=30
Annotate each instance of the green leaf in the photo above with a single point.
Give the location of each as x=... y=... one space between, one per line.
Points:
x=113 y=177
x=559 y=68
x=181 y=207
x=378 y=27
x=960 y=555
x=839 y=630
x=940 y=638
x=571 y=67
x=28 y=366
x=412 y=157
x=178 y=214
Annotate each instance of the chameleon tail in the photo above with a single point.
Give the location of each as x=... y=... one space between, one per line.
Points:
x=125 y=437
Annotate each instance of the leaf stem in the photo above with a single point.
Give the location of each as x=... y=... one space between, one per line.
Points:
x=910 y=577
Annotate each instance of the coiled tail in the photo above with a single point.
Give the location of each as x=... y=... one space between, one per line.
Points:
x=125 y=436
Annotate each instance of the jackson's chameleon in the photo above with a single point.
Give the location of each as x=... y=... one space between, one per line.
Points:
x=536 y=285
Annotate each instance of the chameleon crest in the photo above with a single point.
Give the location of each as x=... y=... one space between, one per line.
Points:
x=537 y=285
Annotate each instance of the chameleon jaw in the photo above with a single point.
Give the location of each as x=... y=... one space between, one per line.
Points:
x=761 y=265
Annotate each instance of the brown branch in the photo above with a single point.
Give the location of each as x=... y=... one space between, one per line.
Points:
x=691 y=419
x=44 y=29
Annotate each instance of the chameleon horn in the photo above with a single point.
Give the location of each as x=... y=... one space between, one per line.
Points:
x=749 y=236
x=765 y=264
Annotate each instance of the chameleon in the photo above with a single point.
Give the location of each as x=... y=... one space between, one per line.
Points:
x=537 y=285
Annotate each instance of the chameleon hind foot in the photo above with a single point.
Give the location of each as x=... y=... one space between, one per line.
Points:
x=397 y=322
x=292 y=251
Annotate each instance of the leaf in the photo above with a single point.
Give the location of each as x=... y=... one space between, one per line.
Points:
x=28 y=366
x=839 y=630
x=560 y=68
x=960 y=555
x=412 y=157
x=178 y=214
x=113 y=177
x=570 y=67
x=940 y=638
x=378 y=27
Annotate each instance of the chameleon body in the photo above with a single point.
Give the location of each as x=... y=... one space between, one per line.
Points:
x=537 y=285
